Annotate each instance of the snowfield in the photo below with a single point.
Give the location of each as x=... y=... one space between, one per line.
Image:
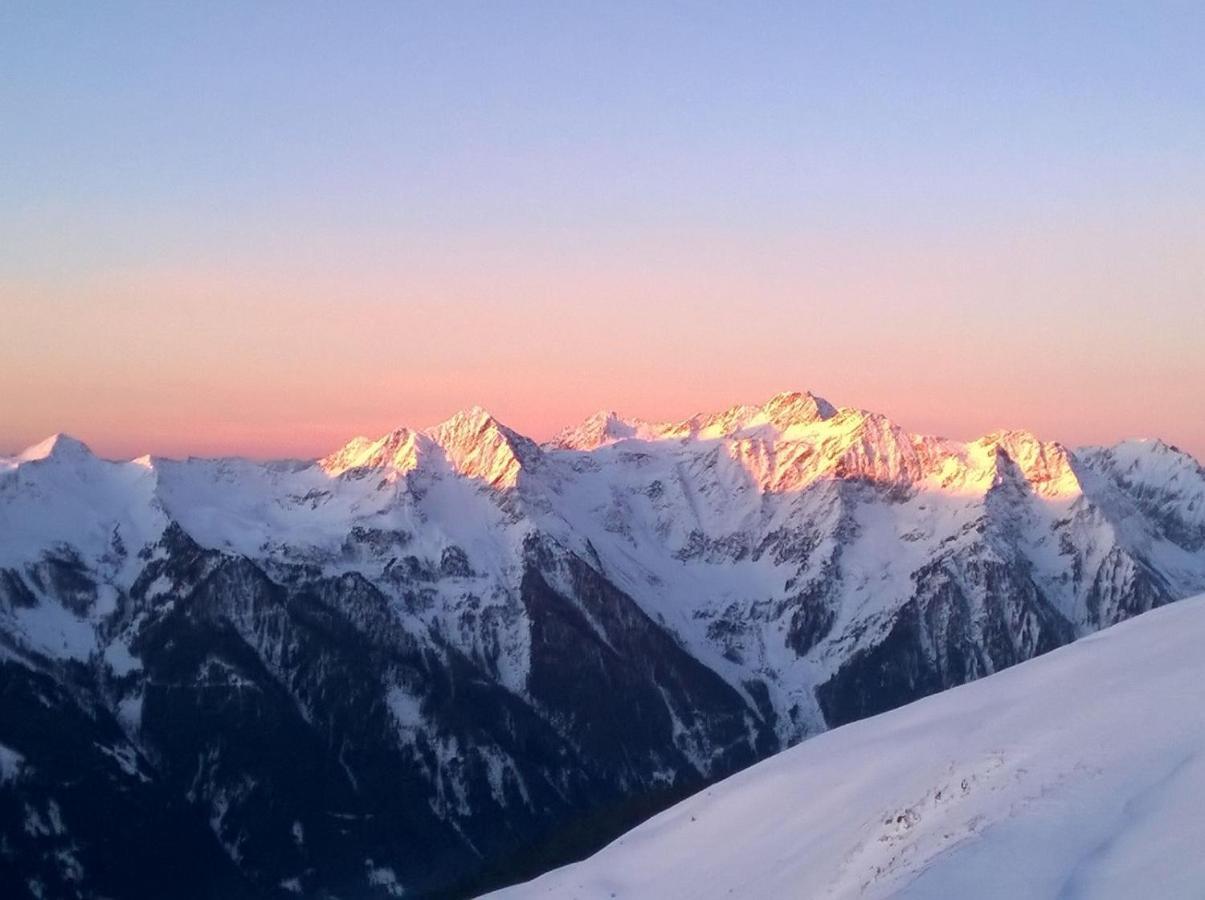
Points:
x=1078 y=774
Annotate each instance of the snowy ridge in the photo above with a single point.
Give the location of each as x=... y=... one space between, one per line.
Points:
x=1075 y=774
x=779 y=417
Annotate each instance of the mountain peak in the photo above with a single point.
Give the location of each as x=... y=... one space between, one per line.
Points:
x=604 y=427
x=401 y=450
x=1045 y=465
x=1162 y=473
x=1151 y=448
x=606 y=417
x=57 y=446
x=479 y=446
x=795 y=407
x=472 y=418
x=470 y=426
x=471 y=441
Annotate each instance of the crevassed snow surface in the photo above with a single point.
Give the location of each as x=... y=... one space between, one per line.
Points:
x=1077 y=774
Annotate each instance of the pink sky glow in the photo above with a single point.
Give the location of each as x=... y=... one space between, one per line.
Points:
x=957 y=336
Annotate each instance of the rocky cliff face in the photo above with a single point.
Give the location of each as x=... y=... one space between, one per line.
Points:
x=441 y=659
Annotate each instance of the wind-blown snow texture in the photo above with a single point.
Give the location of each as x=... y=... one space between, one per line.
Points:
x=1080 y=774
x=442 y=659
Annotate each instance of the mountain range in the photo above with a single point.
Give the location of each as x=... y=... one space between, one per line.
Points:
x=439 y=661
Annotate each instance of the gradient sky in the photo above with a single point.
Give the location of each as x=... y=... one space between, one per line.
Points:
x=264 y=228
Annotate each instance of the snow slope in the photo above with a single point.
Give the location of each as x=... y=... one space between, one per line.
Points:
x=1077 y=774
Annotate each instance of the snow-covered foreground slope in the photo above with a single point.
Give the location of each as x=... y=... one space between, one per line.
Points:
x=1077 y=774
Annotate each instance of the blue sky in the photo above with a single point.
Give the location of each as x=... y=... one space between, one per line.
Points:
x=192 y=127
x=258 y=139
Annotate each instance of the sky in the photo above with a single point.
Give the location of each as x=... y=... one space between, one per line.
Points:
x=266 y=228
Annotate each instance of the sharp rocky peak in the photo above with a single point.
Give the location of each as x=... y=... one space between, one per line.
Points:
x=467 y=426
x=472 y=442
x=783 y=416
x=1046 y=466
x=401 y=449
x=479 y=446
x=795 y=408
x=604 y=427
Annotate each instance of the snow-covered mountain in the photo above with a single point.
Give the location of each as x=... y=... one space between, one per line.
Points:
x=1080 y=774
x=443 y=659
